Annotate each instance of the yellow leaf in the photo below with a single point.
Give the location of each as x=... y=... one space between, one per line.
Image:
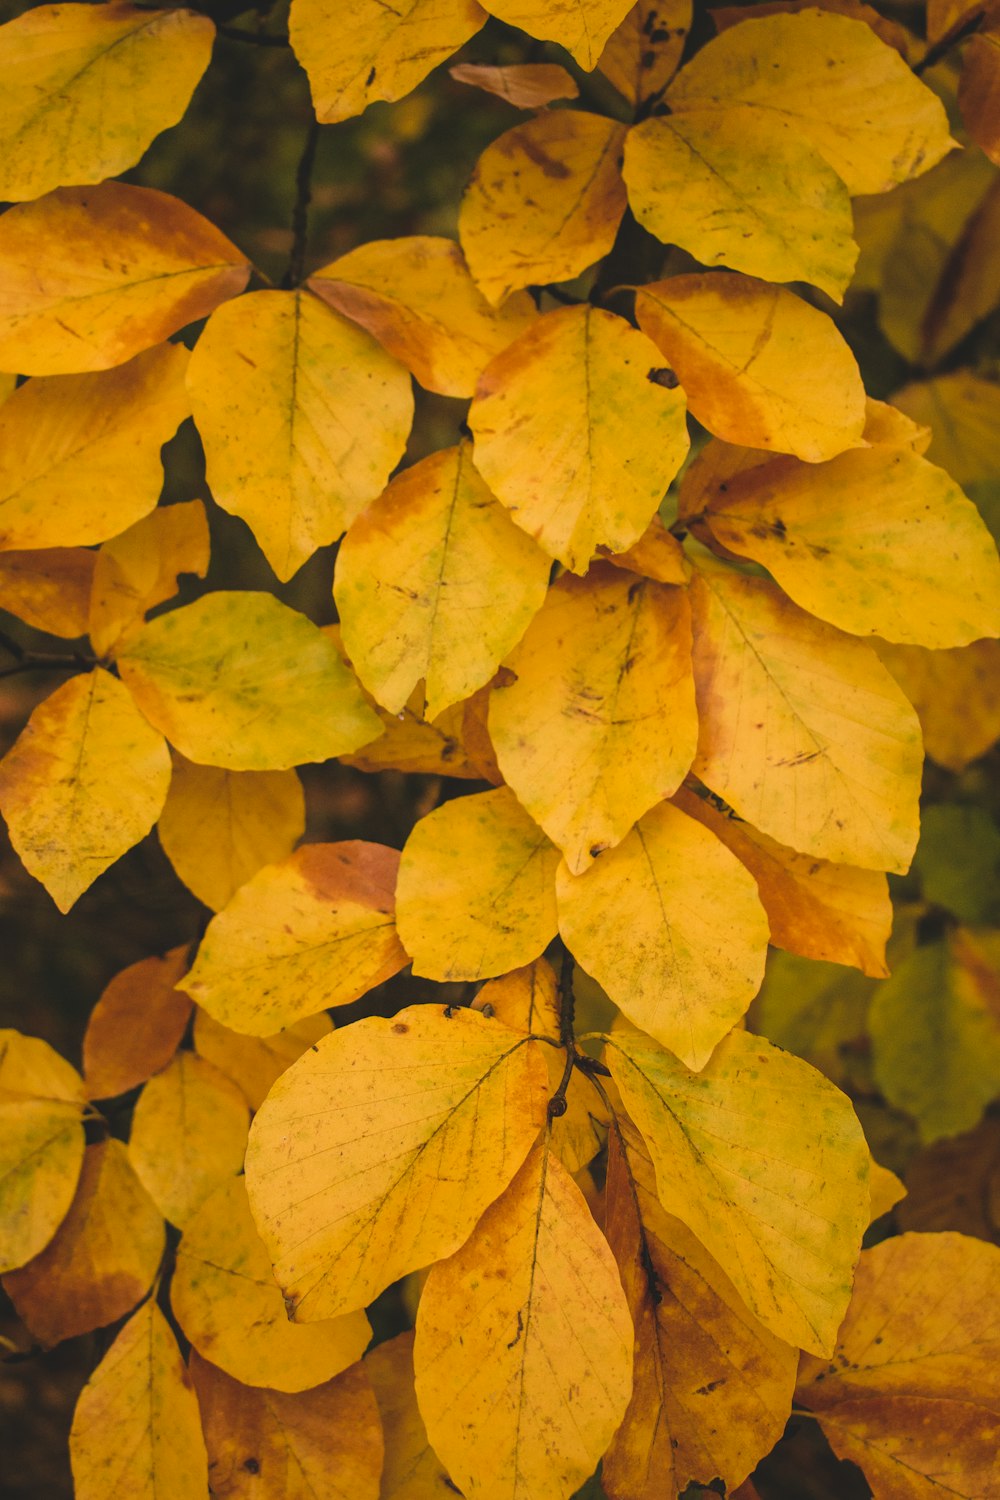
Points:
x=712 y=1388
x=103 y=1258
x=141 y=568
x=268 y=1445
x=574 y=437
x=189 y=1133
x=49 y=588
x=255 y=1062
x=829 y=80
x=136 y=1026
x=136 y=1430
x=409 y=743
x=525 y=85
x=697 y=933
x=412 y=1469
x=378 y=1150
x=373 y=50
x=581 y=26
x=241 y=681
x=226 y=1299
x=434 y=581
x=963 y=412
x=641 y=56
x=822 y=910
x=303 y=418
x=656 y=554
x=475 y=895
x=93 y=276
x=81 y=453
x=734 y=189
x=415 y=295
x=42 y=1101
x=527 y=1000
x=85 y=89
x=758 y=365
x=765 y=1162
x=313 y=931
x=218 y=828
x=594 y=717
x=803 y=731
x=979 y=91
x=956 y=695
x=84 y=781
x=544 y=202
x=911 y=1394
x=935 y=1032
x=887 y=425
x=889 y=31
x=886 y=1190
x=877 y=542
x=523 y=1350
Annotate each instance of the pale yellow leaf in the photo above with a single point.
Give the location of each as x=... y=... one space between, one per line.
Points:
x=573 y=436
x=766 y=1163
x=84 y=89
x=268 y=1445
x=189 y=1133
x=829 y=80
x=523 y=1351
x=42 y=1101
x=434 y=581
x=303 y=417
x=412 y=1469
x=735 y=190
x=893 y=33
x=912 y=1393
x=415 y=295
x=378 y=1150
x=803 y=731
x=136 y=1430
x=525 y=85
x=372 y=50
x=255 y=1062
x=475 y=895
x=218 y=828
x=581 y=26
x=886 y=1190
x=85 y=780
x=137 y=1025
x=93 y=276
x=141 y=568
x=593 y=718
x=956 y=695
x=312 y=931
x=759 y=366
x=876 y=541
x=962 y=411
x=49 y=588
x=544 y=202
x=241 y=681
x=890 y=426
x=822 y=910
x=103 y=1258
x=697 y=933
x=81 y=453
x=712 y=1387
x=227 y=1302
x=641 y=56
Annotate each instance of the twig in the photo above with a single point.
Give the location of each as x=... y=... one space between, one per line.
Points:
x=944 y=44
x=567 y=1036
x=39 y=661
x=255 y=38
x=300 y=213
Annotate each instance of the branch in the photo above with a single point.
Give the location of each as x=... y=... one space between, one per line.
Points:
x=300 y=213
x=40 y=661
x=567 y=1036
x=958 y=33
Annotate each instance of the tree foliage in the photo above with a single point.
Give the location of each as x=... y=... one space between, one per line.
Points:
x=557 y=510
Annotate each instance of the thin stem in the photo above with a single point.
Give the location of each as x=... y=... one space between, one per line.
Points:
x=567 y=1036
x=951 y=38
x=300 y=213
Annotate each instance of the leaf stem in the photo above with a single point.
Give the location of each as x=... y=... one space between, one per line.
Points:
x=300 y=212
x=40 y=661
x=567 y=1035
x=958 y=33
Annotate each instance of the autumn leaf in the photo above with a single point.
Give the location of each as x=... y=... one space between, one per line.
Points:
x=525 y=85
x=136 y=1429
x=314 y=930
x=271 y=381
x=49 y=588
x=979 y=90
x=642 y=53
x=581 y=26
x=412 y=1469
x=963 y=412
x=484 y=861
x=141 y=568
x=85 y=89
x=555 y=421
x=956 y=695
x=85 y=780
x=137 y=1025
x=523 y=1347
x=434 y=581
x=93 y=276
x=377 y=1151
x=254 y=1063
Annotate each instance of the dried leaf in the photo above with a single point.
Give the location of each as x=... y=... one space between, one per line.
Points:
x=641 y=56
x=525 y=85
x=137 y=1025
x=49 y=588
